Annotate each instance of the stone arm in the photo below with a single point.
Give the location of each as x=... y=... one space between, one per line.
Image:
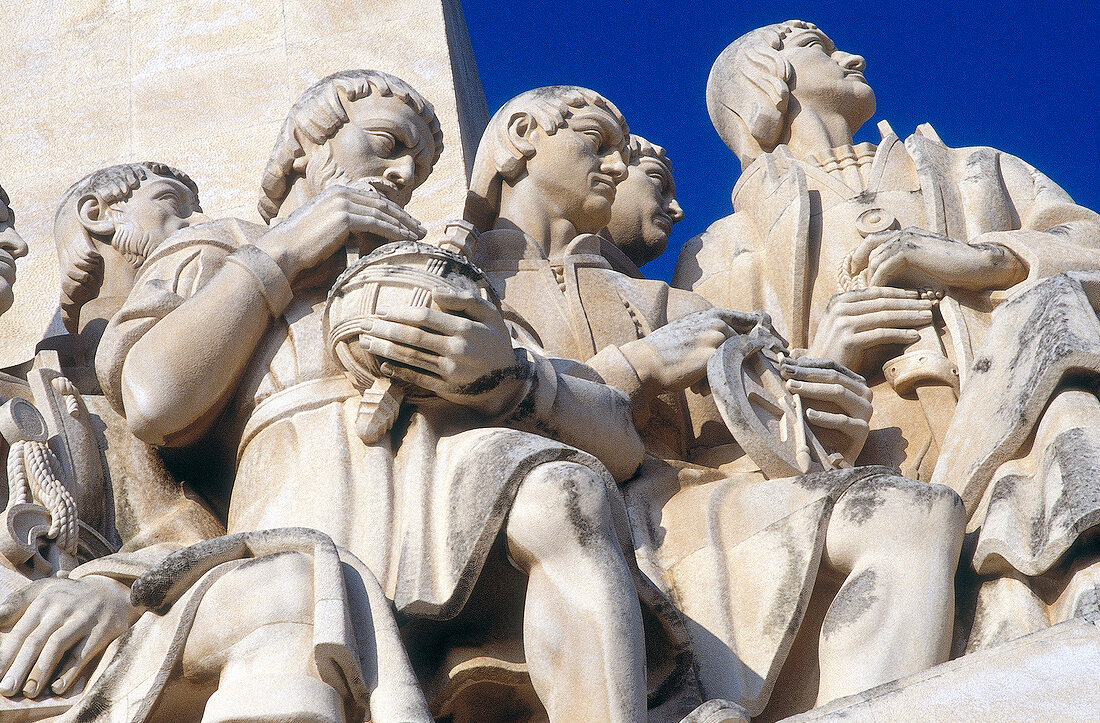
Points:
x=571 y=403
x=172 y=356
x=1020 y=227
x=1055 y=234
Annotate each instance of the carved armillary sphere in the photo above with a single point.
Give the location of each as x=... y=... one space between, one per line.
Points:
x=396 y=275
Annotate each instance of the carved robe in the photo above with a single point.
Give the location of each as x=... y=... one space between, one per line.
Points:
x=783 y=250
x=422 y=507
x=736 y=552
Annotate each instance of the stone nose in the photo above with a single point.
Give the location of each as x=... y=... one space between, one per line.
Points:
x=850 y=61
x=614 y=166
x=13 y=243
x=675 y=212
x=400 y=171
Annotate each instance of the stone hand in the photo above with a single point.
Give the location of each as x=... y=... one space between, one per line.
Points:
x=320 y=228
x=856 y=321
x=675 y=356
x=461 y=351
x=913 y=258
x=834 y=398
x=54 y=620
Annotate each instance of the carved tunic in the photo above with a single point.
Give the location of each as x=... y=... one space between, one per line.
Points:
x=736 y=552
x=781 y=250
x=421 y=507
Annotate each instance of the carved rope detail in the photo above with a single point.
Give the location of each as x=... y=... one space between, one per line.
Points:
x=32 y=477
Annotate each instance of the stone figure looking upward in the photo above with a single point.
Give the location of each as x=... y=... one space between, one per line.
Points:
x=645 y=207
x=896 y=260
x=12 y=247
x=222 y=335
x=738 y=553
x=106 y=225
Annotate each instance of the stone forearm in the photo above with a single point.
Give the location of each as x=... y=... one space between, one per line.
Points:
x=180 y=373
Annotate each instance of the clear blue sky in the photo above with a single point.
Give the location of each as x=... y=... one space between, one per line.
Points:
x=1023 y=77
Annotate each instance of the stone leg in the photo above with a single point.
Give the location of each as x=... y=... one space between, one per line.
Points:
x=897 y=543
x=582 y=630
x=253 y=634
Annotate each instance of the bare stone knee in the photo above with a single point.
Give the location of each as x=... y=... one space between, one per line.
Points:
x=560 y=508
x=889 y=515
x=261 y=609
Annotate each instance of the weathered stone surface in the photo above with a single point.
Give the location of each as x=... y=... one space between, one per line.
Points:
x=1045 y=676
x=201 y=86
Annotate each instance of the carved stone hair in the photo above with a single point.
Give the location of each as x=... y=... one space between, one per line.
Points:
x=81 y=265
x=641 y=148
x=320 y=112
x=497 y=157
x=748 y=91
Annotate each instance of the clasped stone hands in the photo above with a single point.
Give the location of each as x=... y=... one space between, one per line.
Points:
x=899 y=264
x=460 y=350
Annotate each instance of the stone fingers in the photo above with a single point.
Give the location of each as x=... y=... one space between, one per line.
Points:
x=21 y=649
x=809 y=369
x=893 y=319
x=417 y=378
x=412 y=327
x=364 y=218
x=470 y=304
x=367 y=197
x=82 y=652
x=910 y=302
x=853 y=404
x=854 y=429
x=60 y=642
x=402 y=354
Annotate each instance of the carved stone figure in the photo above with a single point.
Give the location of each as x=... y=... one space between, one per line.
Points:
x=222 y=337
x=78 y=488
x=890 y=258
x=738 y=553
x=107 y=224
x=645 y=208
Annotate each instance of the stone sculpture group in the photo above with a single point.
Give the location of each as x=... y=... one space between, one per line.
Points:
x=334 y=468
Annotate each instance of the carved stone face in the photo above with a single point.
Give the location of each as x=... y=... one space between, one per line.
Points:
x=383 y=143
x=644 y=210
x=577 y=168
x=12 y=247
x=827 y=79
x=155 y=210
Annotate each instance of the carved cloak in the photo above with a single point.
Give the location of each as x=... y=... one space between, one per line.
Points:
x=737 y=553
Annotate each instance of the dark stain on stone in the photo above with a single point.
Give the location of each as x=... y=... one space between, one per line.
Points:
x=587 y=528
x=494 y=379
x=854 y=599
x=981 y=365
x=861 y=501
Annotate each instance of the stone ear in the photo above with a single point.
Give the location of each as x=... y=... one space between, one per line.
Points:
x=95 y=215
x=520 y=127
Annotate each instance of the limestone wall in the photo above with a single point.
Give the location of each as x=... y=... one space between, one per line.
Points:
x=202 y=85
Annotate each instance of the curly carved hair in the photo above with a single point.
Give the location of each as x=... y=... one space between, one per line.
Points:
x=642 y=148
x=748 y=87
x=81 y=265
x=320 y=112
x=497 y=158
